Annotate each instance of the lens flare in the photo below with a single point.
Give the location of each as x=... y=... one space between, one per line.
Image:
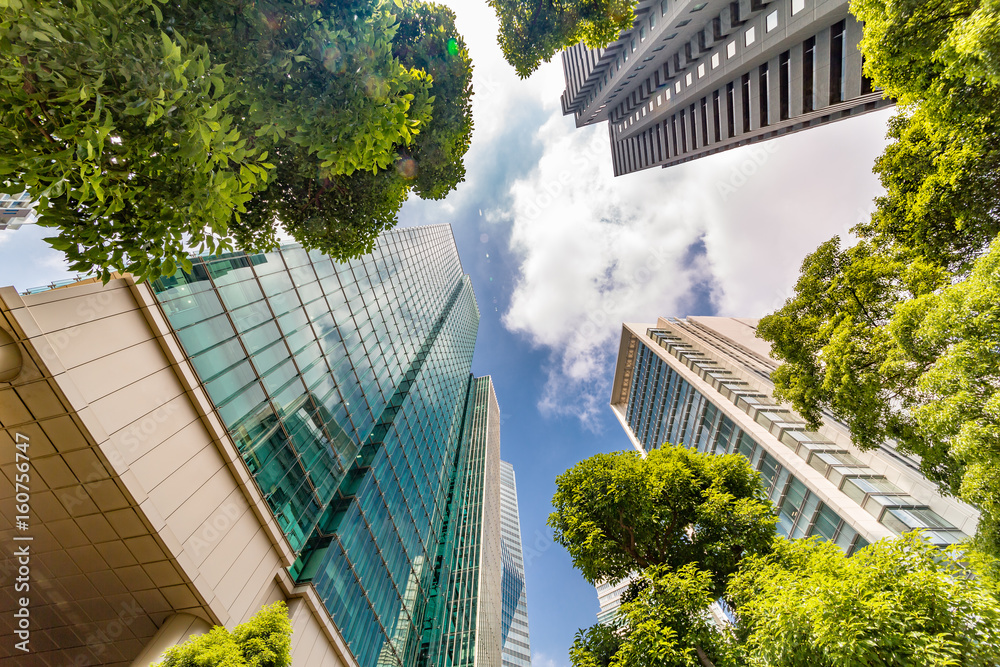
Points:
x=452 y=47
x=407 y=168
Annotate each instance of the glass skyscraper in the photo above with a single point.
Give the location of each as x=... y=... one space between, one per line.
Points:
x=516 y=649
x=346 y=388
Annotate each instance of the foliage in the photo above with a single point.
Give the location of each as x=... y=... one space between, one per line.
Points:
x=858 y=338
x=620 y=513
x=263 y=641
x=668 y=624
x=897 y=602
x=426 y=39
x=532 y=31
x=596 y=646
x=145 y=127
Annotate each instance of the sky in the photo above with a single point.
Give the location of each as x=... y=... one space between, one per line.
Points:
x=561 y=253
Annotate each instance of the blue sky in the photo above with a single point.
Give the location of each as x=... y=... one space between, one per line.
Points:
x=561 y=253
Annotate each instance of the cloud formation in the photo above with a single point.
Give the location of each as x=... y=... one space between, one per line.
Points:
x=722 y=234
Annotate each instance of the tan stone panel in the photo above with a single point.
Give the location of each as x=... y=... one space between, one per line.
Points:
x=167 y=458
x=68 y=533
x=116 y=554
x=97 y=528
x=79 y=587
x=126 y=522
x=64 y=434
x=237 y=547
x=54 y=472
x=152 y=601
x=12 y=410
x=153 y=428
x=118 y=409
x=169 y=494
x=86 y=342
x=108 y=583
x=180 y=597
x=258 y=588
x=163 y=573
x=216 y=503
x=40 y=399
x=87 y=558
x=135 y=578
x=97 y=609
x=86 y=465
x=81 y=307
x=76 y=501
x=107 y=494
x=108 y=374
x=144 y=548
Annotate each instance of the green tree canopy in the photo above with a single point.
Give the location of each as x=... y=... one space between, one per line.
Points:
x=263 y=641
x=620 y=513
x=897 y=602
x=532 y=31
x=145 y=127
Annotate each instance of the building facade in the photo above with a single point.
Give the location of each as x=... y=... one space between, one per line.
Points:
x=704 y=382
x=692 y=78
x=268 y=427
x=515 y=643
x=16 y=210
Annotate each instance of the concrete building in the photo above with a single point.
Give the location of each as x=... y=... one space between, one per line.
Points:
x=515 y=644
x=16 y=210
x=704 y=382
x=692 y=78
x=268 y=427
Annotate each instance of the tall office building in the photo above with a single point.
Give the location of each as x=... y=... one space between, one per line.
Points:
x=515 y=645
x=693 y=78
x=16 y=210
x=704 y=382
x=268 y=427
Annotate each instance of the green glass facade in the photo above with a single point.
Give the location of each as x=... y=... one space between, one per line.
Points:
x=347 y=389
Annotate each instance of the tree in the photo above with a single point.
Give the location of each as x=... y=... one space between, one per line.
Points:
x=263 y=641
x=897 y=602
x=532 y=31
x=145 y=128
x=620 y=513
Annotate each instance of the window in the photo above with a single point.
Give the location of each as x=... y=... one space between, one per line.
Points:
x=670 y=36
x=731 y=109
x=716 y=115
x=808 y=66
x=771 y=22
x=683 y=23
x=689 y=78
x=704 y=121
x=745 y=100
x=642 y=34
x=750 y=36
x=652 y=21
x=700 y=6
x=731 y=49
x=765 y=109
x=784 y=76
x=633 y=45
x=797 y=6
x=701 y=70
x=837 y=62
x=715 y=60
x=677 y=87
x=663 y=6
x=647 y=59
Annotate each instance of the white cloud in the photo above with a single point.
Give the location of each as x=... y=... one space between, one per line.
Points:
x=724 y=233
x=595 y=251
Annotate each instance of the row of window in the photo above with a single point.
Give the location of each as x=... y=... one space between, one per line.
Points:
x=880 y=498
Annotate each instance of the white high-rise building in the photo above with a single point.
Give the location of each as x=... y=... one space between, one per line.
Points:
x=515 y=646
x=692 y=78
x=16 y=210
